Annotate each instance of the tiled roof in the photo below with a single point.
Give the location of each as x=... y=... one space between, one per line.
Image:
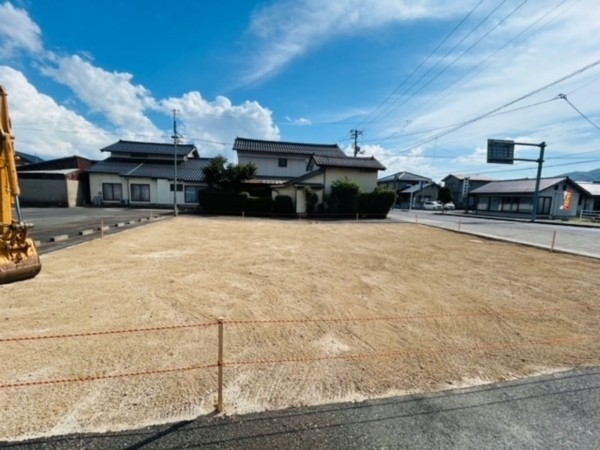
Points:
x=523 y=186
x=348 y=162
x=26 y=158
x=592 y=188
x=190 y=170
x=416 y=188
x=403 y=176
x=475 y=177
x=149 y=148
x=291 y=148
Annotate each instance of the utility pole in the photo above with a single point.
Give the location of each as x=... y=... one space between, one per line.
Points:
x=175 y=141
x=354 y=134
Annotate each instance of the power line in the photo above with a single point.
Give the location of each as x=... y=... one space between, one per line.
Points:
x=443 y=127
x=480 y=65
x=506 y=105
x=564 y=97
x=406 y=99
x=364 y=121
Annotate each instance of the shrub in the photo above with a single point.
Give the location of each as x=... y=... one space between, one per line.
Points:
x=283 y=204
x=219 y=201
x=312 y=199
x=344 y=196
x=377 y=203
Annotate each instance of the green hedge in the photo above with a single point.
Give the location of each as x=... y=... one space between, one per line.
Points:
x=377 y=203
x=283 y=204
x=219 y=201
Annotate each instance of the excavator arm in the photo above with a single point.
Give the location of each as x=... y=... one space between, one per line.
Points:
x=19 y=258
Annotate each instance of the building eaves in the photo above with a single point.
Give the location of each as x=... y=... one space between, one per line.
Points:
x=348 y=162
x=289 y=148
x=591 y=188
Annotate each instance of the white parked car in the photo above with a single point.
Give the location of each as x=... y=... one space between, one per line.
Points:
x=449 y=206
x=432 y=205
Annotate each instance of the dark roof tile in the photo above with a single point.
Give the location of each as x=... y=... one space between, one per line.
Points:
x=190 y=170
x=148 y=148
x=292 y=148
x=348 y=162
x=523 y=186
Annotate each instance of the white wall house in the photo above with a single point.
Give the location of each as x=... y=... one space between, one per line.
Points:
x=323 y=171
x=281 y=161
x=143 y=174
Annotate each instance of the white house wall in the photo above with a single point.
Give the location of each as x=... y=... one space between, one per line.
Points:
x=160 y=190
x=269 y=165
x=367 y=180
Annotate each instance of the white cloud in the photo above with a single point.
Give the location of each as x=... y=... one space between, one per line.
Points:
x=215 y=125
x=301 y=121
x=17 y=32
x=551 y=51
x=288 y=29
x=112 y=94
x=44 y=128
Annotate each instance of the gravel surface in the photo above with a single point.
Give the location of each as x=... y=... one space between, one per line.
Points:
x=444 y=310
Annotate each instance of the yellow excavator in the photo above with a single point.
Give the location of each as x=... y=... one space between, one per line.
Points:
x=19 y=258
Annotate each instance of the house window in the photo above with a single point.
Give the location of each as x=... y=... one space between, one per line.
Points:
x=179 y=187
x=140 y=192
x=191 y=194
x=112 y=192
x=282 y=162
x=483 y=203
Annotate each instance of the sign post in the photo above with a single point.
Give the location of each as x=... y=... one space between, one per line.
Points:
x=501 y=151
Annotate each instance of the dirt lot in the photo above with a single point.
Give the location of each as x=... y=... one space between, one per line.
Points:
x=460 y=311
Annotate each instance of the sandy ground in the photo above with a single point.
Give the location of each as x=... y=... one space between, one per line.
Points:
x=494 y=311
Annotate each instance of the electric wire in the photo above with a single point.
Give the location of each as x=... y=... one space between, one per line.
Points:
x=506 y=105
x=482 y=64
x=404 y=99
x=564 y=97
x=365 y=120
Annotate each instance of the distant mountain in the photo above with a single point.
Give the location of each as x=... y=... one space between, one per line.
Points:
x=592 y=175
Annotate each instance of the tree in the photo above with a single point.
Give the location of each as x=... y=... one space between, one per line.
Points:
x=227 y=176
x=444 y=196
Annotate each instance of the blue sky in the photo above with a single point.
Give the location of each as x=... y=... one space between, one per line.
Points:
x=426 y=81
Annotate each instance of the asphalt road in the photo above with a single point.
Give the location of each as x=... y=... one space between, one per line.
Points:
x=559 y=411
x=567 y=238
x=49 y=223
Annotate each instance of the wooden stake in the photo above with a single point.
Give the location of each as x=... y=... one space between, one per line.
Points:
x=220 y=367
x=553 y=241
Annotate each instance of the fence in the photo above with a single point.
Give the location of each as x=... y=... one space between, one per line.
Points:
x=589 y=214
x=221 y=363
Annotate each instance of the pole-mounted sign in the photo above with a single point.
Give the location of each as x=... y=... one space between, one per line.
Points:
x=501 y=151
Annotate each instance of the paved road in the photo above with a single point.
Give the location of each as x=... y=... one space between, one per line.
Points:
x=560 y=411
x=571 y=239
x=52 y=222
